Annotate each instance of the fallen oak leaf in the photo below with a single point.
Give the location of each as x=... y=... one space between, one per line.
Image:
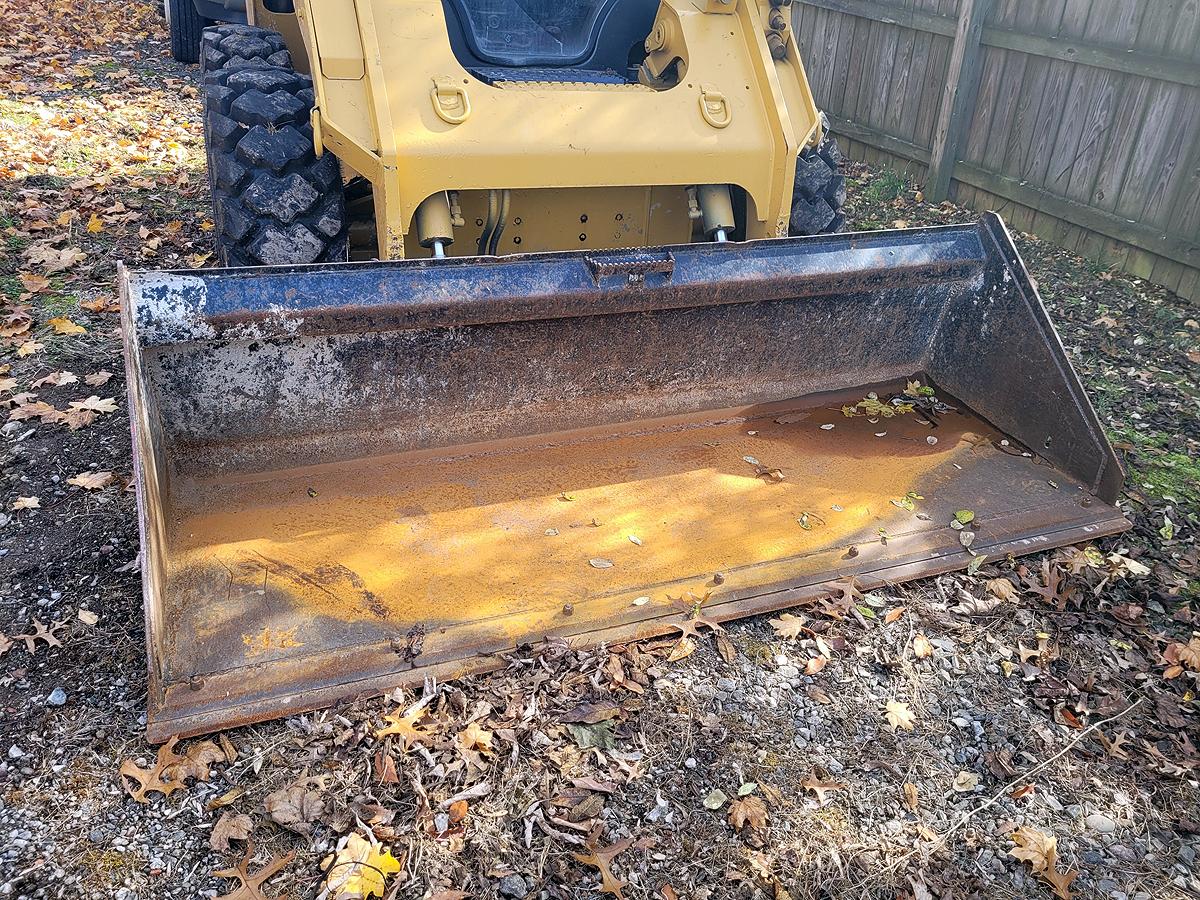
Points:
x=404 y=725
x=821 y=787
x=157 y=778
x=30 y=347
x=42 y=633
x=251 y=884
x=230 y=827
x=601 y=858
x=1040 y=851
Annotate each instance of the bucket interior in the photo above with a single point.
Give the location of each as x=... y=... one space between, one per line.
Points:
x=331 y=513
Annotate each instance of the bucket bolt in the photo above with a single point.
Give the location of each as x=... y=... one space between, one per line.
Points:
x=716 y=206
x=435 y=223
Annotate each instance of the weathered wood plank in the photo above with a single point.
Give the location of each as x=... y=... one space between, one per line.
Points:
x=1175 y=66
x=1175 y=247
x=1189 y=285
x=958 y=99
x=898 y=90
x=1120 y=143
x=918 y=72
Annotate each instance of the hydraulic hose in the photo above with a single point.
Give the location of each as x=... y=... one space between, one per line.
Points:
x=494 y=244
x=486 y=234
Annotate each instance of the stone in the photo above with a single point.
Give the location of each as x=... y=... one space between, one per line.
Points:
x=58 y=697
x=1100 y=823
x=513 y=886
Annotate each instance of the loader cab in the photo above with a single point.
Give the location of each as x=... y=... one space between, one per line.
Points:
x=582 y=41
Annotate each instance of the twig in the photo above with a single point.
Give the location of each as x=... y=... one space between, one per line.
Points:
x=995 y=798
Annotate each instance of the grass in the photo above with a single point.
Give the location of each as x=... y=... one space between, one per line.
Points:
x=887 y=185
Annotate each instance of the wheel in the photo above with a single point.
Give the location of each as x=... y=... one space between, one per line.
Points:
x=236 y=45
x=185 y=25
x=274 y=202
x=820 y=190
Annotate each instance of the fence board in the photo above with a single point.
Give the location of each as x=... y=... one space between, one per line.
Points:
x=1085 y=127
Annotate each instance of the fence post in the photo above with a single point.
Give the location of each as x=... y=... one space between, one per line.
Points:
x=958 y=98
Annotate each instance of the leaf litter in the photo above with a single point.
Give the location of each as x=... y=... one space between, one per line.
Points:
x=535 y=760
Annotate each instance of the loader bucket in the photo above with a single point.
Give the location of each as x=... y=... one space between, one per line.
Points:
x=353 y=476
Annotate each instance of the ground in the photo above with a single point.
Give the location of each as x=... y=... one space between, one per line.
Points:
x=927 y=741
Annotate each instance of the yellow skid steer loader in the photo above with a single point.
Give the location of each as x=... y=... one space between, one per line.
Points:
x=535 y=324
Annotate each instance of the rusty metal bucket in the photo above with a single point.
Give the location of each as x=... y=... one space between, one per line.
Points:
x=353 y=476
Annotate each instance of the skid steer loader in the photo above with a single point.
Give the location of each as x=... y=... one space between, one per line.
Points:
x=536 y=324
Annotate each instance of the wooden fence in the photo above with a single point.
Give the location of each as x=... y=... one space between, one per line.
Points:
x=1077 y=120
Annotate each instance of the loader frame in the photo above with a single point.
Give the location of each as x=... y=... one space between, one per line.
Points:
x=397 y=107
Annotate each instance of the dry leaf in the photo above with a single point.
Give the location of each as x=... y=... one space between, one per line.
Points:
x=52 y=259
x=922 y=649
x=684 y=647
x=475 y=738
x=297 y=805
x=230 y=827
x=900 y=716
x=95 y=404
x=225 y=799
x=911 y=798
x=1002 y=588
x=63 y=325
x=894 y=614
x=32 y=282
x=602 y=858
x=250 y=887
x=98 y=378
x=360 y=869
x=42 y=633
x=789 y=627
x=158 y=778
x=965 y=782
x=54 y=379
x=749 y=810
x=404 y=725
x=1040 y=850
x=26 y=503
x=92 y=481
x=30 y=347
x=821 y=787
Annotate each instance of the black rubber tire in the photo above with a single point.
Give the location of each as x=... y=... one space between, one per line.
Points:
x=186 y=27
x=819 y=193
x=274 y=202
x=237 y=45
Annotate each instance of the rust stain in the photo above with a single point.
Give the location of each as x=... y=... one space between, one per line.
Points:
x=482 y=535
x=269 y=641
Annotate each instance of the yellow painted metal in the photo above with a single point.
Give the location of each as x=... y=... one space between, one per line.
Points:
x=409 y=118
